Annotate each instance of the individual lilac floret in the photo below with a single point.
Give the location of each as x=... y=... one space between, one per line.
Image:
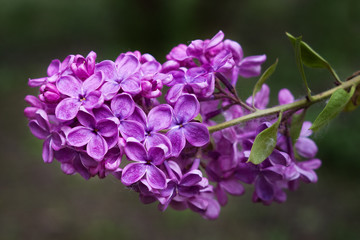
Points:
x=187 y=108
x=41 y=128
x=245 y=67
x=222 y=172
x=84 y=67
x=55 y=70
x=122 y=106
x=79 y=94
x=181 y=187
x=120 y=75
x=194 y=80
x=145 y=165
x=92 y=133
x=159 y=118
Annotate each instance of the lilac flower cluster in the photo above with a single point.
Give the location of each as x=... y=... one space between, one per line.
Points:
x=91 y=115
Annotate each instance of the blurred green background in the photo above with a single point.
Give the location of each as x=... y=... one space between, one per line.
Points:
x=37 y=201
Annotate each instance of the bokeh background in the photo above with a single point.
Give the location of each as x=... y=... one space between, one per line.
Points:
x=38 y=201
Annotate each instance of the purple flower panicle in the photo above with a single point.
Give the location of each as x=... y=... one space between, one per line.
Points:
x=146 y=123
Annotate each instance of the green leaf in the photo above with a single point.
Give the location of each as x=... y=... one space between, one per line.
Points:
x=268 y=72
x=336 y=104
x=311 y=58
x=299 y=63
x=198 y=118
x=354 y=101
x=264 y=143
x=296 y=125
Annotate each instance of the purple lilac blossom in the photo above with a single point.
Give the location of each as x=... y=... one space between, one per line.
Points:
x=92 y=115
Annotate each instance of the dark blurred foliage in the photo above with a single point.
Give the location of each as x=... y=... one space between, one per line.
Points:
x=37 y=201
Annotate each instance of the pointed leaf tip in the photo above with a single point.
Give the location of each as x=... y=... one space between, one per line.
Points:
x=336 y=104
x=268 y=72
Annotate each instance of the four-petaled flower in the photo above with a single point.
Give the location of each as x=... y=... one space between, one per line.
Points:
x=79 y=94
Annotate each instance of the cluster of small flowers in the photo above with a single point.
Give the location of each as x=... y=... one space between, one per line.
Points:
x=90 y=115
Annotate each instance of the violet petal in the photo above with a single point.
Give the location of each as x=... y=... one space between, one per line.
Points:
x=155 y=177
x=196 y=134
x=67 y=109
x=159 y=117
x=79 y=136
x=70 y=86
x=132 y=173
x=97 y=147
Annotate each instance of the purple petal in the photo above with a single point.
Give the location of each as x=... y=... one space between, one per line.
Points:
x=79 y=136
x=221 y=196
x=108 y=68
x=306 y=147
x=129 y=128
x=110 y=89
x=102 y=112
x=131 y=85
x=36 y=82
x=186 y=108
x=215 y=40
x=233 y=187
x=264 y=189
x=86 y=119
x=308 y=176
x=196 y=134
x=87 y=161
x=155 y=177
x=305 y=131
x=310 y=164
x=135 y=151
x=274 y=173
x=261 y=97
x=47 y=153
x=54 y=67
x=93 y=100
x=67 y=109
x=132 y=173
x=107 y=128
x=138 y=116
x=33 y=101
x=93 y=82
x=38 y=131
x=158 y=139
x=156 y=155
x=57 y=141
x=285 y=96
x=174 y=93
x=251 y=66
x=159 y=117
x=179 y=52
x=191 y=178
x=213 y=210
x=79 y=167
x=97 y=147
x=150 y=67
x=126 y=65
x=67 y=168
x=122 y=105
x=198 y=204
x=177 y=139
x=279 y=157
x=235 y=49
x=65 y=155
x=70 y=86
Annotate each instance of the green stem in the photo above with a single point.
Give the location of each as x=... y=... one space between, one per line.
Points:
x=303 y=103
